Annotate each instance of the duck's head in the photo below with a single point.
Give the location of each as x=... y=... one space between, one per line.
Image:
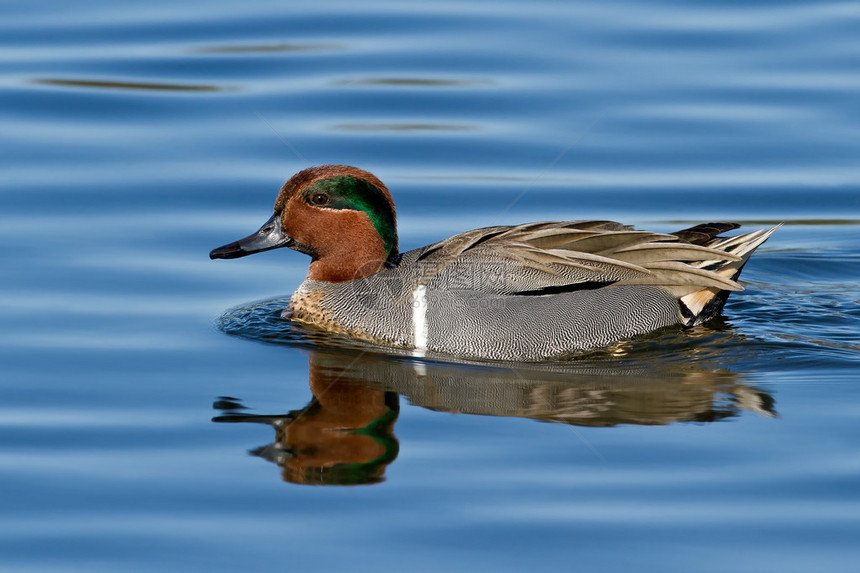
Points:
x=342 y=216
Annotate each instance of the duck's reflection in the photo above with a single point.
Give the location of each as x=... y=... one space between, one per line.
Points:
x=345 y=435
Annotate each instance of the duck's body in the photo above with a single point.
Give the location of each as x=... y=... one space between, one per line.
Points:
x=528 y=292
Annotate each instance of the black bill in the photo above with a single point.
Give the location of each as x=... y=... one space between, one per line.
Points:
x=270 y=236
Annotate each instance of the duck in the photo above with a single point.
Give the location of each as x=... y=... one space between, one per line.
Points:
x=529 y=292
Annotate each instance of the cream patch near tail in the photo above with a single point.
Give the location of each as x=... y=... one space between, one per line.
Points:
x=742 y=246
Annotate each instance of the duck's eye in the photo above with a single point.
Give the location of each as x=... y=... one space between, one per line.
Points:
x=320 y=199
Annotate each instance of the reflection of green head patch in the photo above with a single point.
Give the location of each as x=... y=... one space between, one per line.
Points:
x=381 y=431
x=347 y=192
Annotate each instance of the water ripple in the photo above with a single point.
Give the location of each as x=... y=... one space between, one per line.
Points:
x=127 y=85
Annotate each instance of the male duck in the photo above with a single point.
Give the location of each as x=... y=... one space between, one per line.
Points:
x=526 y=292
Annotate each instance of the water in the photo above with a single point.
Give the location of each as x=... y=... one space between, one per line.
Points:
x=138 y=136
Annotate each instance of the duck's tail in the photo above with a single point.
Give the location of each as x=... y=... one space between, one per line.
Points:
x=702 y=305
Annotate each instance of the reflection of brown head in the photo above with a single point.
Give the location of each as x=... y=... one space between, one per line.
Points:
x=344 y=436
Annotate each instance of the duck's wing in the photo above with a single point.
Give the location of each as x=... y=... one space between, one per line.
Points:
x=542 y=258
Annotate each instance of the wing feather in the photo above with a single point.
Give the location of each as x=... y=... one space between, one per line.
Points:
x=535 y=256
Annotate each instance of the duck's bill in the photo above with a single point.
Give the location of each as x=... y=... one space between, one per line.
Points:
x=270 y=236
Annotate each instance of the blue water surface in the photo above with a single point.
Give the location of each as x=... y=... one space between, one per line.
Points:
x=136 y=136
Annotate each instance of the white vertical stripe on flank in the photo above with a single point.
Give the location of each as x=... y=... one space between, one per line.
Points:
x=419 y=319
